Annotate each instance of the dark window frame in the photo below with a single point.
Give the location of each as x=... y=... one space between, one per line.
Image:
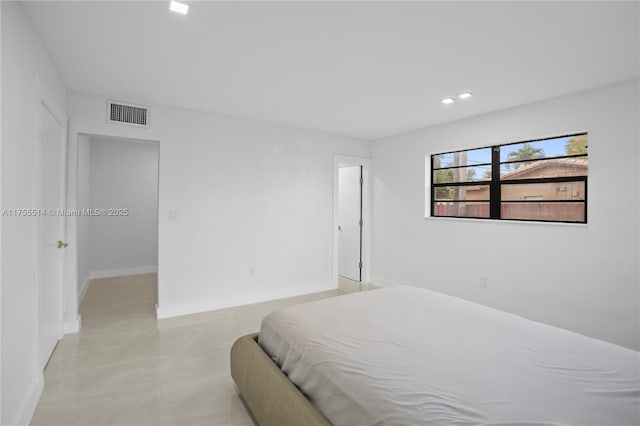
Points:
x=496 y=182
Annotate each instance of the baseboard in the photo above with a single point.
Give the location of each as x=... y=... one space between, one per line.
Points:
x=383 y=283
x=244 y=299
x=121 y=272
x=28 y=407
x=72 y=326
x=83 y=289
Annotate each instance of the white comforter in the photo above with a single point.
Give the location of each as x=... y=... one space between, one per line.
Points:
x=408 y=356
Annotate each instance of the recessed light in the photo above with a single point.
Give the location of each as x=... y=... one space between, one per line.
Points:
x=447 y=100
x=465 y=95
x=176 y=6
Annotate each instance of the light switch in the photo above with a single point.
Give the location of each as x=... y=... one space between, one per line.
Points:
x=173 y=215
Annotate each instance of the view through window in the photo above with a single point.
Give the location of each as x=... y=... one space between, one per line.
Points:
x=539 y=180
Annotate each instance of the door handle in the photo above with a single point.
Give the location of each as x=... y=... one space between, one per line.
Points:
x=62 y=244
x=339 y=228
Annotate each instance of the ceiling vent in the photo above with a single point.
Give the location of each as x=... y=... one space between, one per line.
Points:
x=131 y=115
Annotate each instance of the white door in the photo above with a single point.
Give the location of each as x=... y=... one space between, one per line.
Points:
x=51 y=230
x=349 y=222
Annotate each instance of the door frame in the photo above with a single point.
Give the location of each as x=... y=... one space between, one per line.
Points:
x=43 y=98
x=339 y=160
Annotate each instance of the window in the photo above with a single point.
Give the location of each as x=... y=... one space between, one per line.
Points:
x=540 y=180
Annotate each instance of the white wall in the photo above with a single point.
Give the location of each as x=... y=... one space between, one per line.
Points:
x=22 y=56
x=580 y=277
x=83 y=222
x=253 y=204
x=1 y=205
x=123 y=175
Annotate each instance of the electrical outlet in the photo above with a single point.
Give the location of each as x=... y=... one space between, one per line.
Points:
x=483 y=281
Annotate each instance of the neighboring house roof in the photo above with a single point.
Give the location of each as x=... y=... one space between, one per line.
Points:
x=574 y=163
x=538 y=166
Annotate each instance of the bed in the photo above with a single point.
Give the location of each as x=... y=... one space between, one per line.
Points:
x=405 y=355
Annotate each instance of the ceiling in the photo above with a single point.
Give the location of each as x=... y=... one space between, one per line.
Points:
x=363 y=69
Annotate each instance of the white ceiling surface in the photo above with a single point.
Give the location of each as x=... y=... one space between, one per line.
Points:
x=363 y=69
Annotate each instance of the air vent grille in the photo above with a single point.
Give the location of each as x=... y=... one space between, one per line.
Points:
x=132 y=115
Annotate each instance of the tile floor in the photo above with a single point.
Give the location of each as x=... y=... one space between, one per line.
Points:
x=126 y=368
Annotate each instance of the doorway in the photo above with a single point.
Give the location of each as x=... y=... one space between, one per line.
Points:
x=350 y=223
x=351 y=229
x=117 y=232
x=50 y=193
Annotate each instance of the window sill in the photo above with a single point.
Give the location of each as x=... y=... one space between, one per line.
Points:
x=506 y=221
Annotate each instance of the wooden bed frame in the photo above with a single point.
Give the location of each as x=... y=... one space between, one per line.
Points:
x=273 y=399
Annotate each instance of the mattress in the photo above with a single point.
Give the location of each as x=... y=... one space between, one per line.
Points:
x=406 y=355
